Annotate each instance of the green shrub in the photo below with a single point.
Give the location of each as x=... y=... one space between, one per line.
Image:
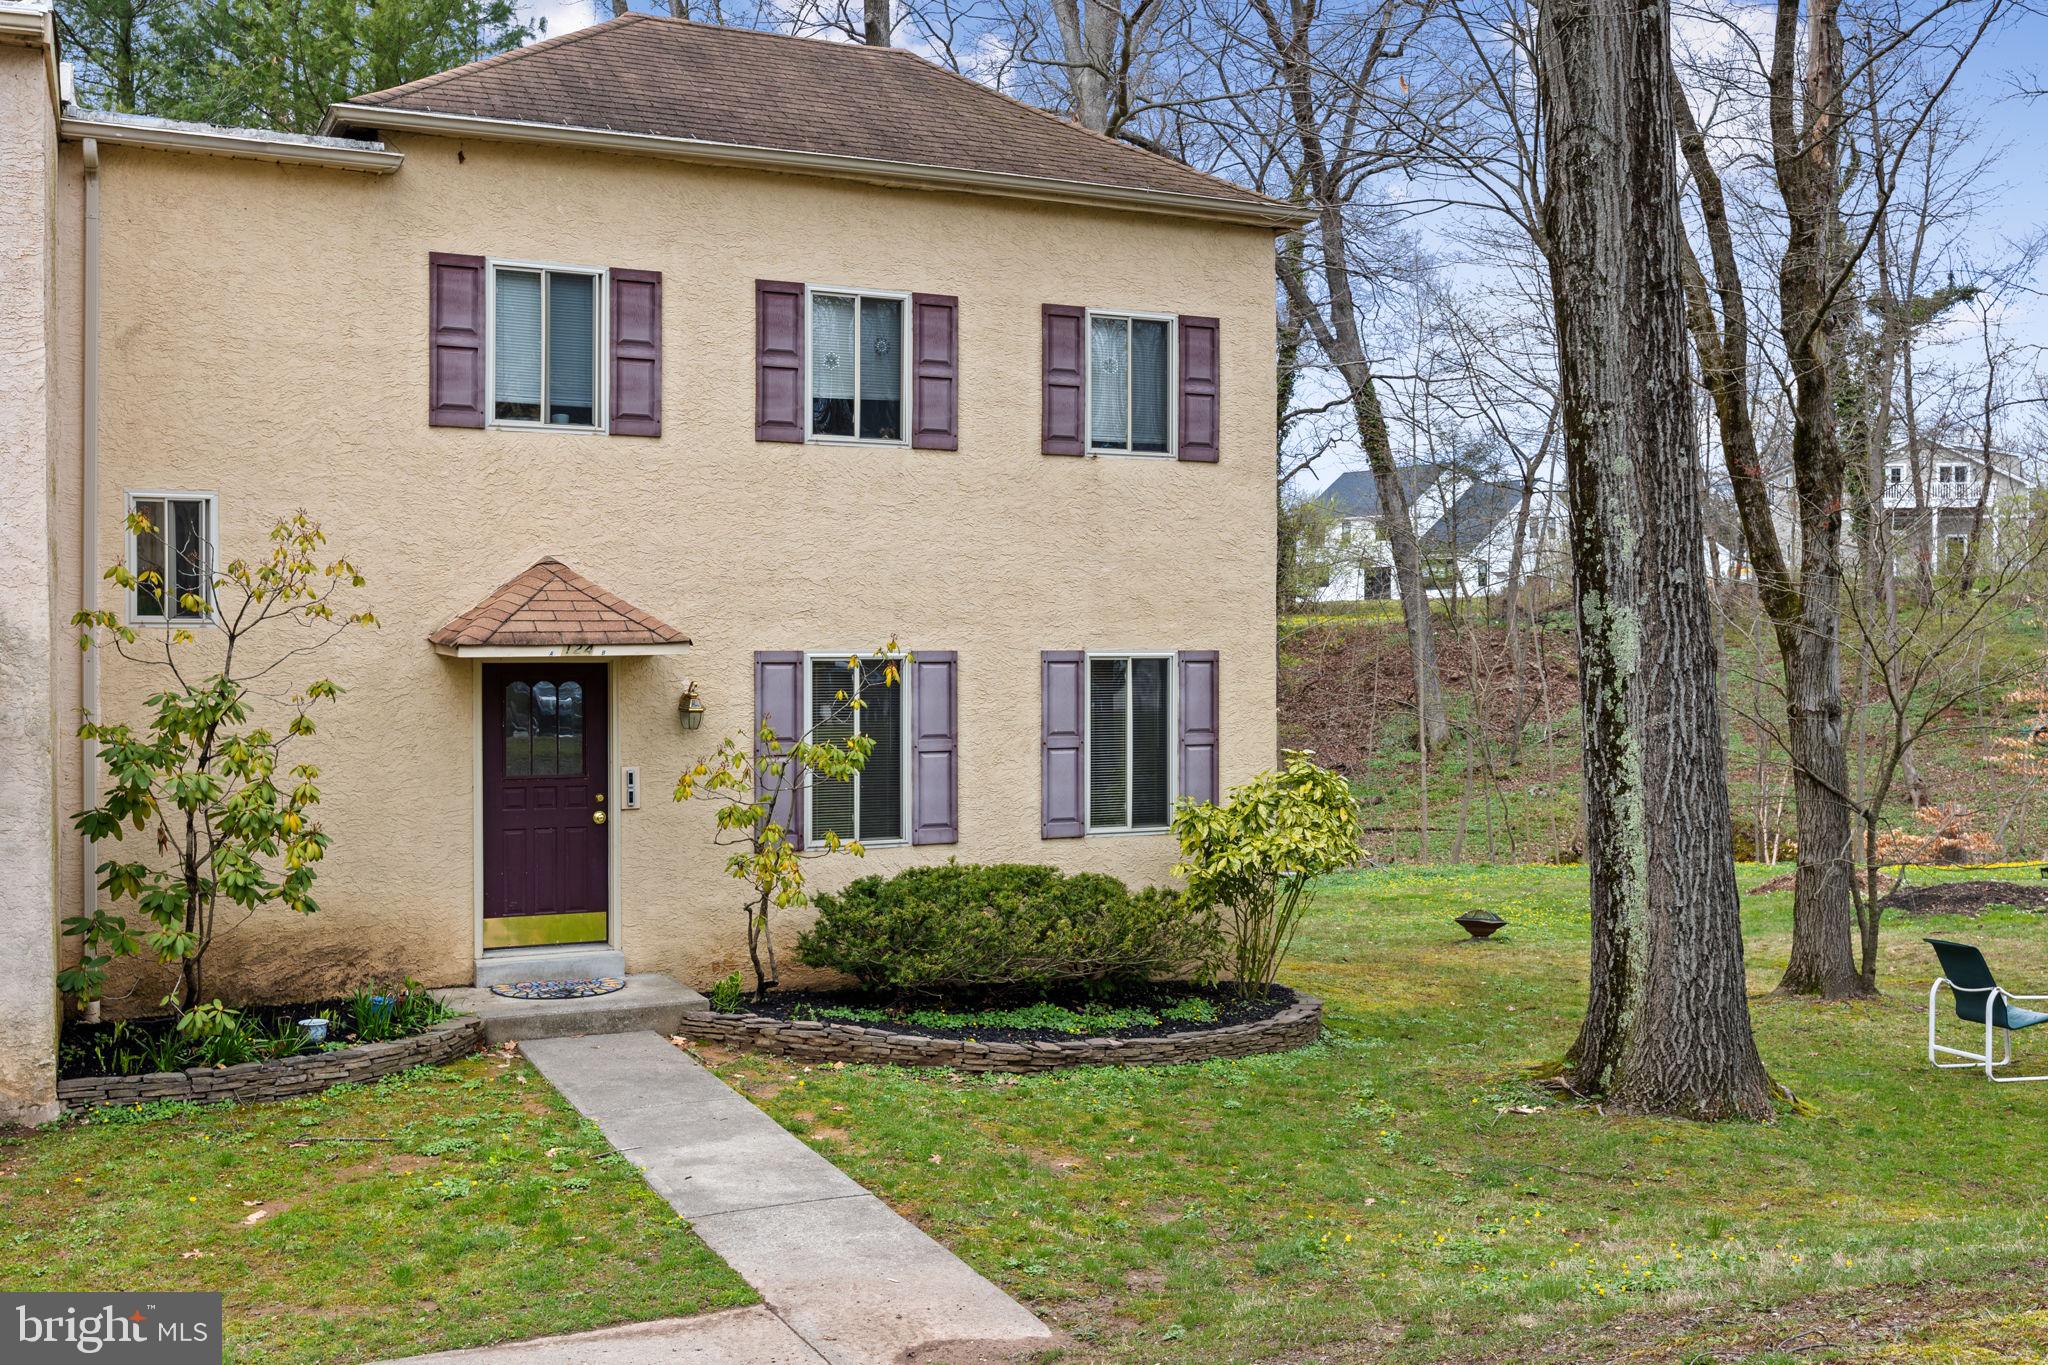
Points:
x=724 y=995
x=964 y=929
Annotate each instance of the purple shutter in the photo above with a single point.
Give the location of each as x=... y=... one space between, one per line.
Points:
x=934 y=748
x=636 y=352
x=1063 y=750
x=1200 y=368
x=1200 y=708
x=778 y=361
x=935 y=373
x=778 y=706
x=1065 y=355
x=455 y=340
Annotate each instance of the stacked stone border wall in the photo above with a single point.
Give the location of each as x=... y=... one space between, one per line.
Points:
x=443 y=1042
x=1297 y=1025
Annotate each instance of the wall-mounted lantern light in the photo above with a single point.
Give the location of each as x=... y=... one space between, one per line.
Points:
x=689 y=708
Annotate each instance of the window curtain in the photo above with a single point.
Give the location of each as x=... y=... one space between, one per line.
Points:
x=572 y=349
x=516 y=342
x=1148 y=385
x=1108 y=731
x=881 y=369
x=832 y=346
x=1109 y=359
x=1151 y=743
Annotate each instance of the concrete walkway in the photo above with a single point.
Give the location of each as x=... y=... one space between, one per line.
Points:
x=845 y=1279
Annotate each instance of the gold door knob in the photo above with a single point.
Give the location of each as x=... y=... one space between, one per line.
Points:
x=597 y=817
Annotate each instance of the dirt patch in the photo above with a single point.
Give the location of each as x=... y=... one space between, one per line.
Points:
x=1967 y=898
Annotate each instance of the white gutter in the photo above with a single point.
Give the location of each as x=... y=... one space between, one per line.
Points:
x=88 y=517
x=208 y=139
x=1255 y=212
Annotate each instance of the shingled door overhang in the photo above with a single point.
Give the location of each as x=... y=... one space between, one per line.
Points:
x=552 y=612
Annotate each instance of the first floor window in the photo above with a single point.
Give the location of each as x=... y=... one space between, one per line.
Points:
x=856 y=366
x=1129 y=383
x=171 y=555
x=869 y=805
x=1130 y=741
x=544 y=346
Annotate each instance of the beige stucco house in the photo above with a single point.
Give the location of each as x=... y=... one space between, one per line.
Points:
x=649 y=362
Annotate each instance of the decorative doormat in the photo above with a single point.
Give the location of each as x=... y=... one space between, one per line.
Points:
x=558 y=990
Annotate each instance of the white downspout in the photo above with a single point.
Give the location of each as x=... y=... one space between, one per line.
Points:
x=88 y=519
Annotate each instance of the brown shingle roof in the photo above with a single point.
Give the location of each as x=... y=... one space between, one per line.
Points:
x=552 y=605
x=672 y=78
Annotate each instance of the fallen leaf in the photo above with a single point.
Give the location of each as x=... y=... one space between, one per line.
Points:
x=194 y=1254
x=936 y=1160
x=250 y=1203
x=257 y=1216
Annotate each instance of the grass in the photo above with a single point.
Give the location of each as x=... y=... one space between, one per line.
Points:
x=1401 y=1191
x=444 y=1207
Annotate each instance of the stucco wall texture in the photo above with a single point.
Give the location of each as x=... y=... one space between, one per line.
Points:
x=265 y=339
x=28 y=721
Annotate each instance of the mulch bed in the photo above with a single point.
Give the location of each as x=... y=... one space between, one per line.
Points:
x=1967 y=898
x=1229 y=1010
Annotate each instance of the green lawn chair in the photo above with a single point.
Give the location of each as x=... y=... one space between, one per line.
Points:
x=1979 y=1000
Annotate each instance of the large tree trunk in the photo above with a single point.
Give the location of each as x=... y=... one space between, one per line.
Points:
x=877 y=23
x=1667 y=1023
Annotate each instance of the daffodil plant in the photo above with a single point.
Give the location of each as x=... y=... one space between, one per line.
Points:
x=756 y=778
x=227 y=820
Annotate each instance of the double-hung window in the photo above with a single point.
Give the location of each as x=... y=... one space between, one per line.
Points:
x=545 y=327
x=1130 y=741
x=868 y=806
x=858 y=382
x=171 y=554
x=1130 y=384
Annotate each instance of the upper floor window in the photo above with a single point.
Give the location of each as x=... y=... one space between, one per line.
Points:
x=1894 y=474
x=1130 y=741
x=869 y=806
x=171 y=554
x=1952 y=473
x=857 y=374
x=1130 y=383
x=545 y=325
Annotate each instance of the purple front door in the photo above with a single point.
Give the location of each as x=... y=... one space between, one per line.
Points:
x=546 y=849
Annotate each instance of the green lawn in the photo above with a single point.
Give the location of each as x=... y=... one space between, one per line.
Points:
x=1401 y=1192
x=446 y=1207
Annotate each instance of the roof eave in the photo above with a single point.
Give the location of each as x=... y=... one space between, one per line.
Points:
x=1269 y=214
x=245 y=143
x=562 y=651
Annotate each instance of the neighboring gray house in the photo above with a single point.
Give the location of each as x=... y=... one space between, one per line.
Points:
x=1467 y=533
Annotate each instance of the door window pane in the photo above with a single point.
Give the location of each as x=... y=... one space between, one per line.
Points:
x=518 y=730
x=1150 y=749
x=881 y=369
x=544 y=704
x=572 y=350
x=569 y=730
x=1109 y=346
x=1108 y=739
x=834 y=364
x=516 y=346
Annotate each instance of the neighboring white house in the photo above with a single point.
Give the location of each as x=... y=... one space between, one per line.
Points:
x=1466 y=530
x=1952 y=484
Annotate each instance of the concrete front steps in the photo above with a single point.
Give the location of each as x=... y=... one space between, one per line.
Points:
x=650 y=1001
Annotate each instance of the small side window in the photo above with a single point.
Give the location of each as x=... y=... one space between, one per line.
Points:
x=170 y=552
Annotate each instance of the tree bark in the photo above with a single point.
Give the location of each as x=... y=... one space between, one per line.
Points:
x=1667 y=1023
x=877 y=23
